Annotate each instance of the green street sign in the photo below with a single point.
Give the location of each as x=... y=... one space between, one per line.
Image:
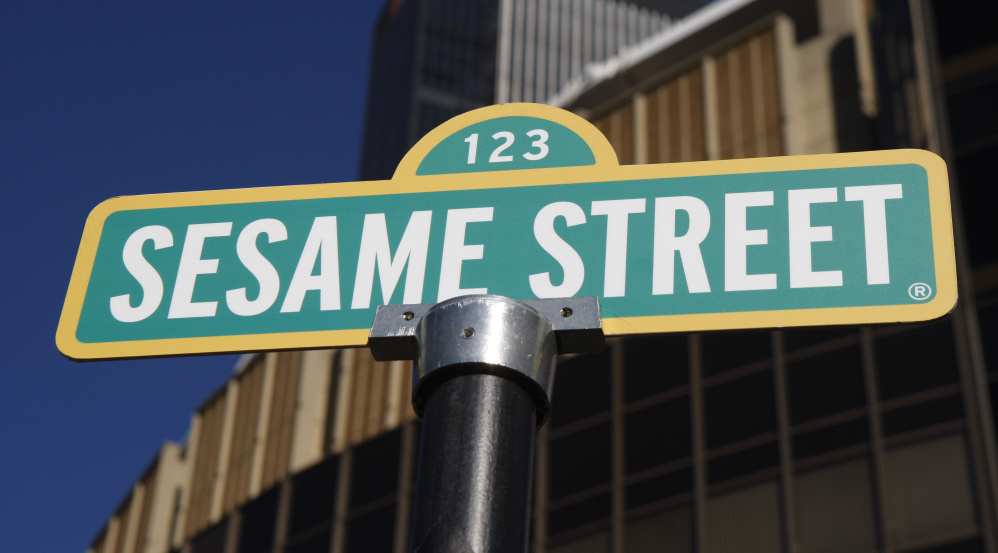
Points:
x=525 y=201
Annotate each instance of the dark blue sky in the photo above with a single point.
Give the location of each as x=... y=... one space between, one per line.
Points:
x=102 y=99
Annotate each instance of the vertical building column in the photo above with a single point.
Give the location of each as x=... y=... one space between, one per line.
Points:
x=135 y=503
x=711 y=126
x=876 y=440
x=618 y=507
x=403 y=498
x=504 y=47
x=620 y=19
x=232 y=530
x=866 y=70
x=111 y=536
x=374 y=414
x=224 y=450
x=193 y=437
x=531 y=48
x=169 y=478
x=699 y=443
x=283 y=515
x=341 y=508
x=541 y=489
x=787 y=493
x=791 y=97
x=262 y=423
x=551 y=80
x=344 y=400
x=758 y=132
x=541 y=52
x=360 y=397
x=599 y=32
x=309 y=421
x=640 y=140
x=397 y=393
x=684 y=90
x=577 y=41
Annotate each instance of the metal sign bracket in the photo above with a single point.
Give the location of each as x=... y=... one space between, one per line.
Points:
x=482 y=380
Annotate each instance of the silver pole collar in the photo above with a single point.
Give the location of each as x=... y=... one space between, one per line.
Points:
x=486 y=334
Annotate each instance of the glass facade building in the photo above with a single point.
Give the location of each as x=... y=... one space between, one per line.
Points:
x=808 y=440
x=430 y=60
x=434 y=59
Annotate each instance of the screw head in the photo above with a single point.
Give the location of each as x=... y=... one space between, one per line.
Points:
x=408 y=315
x=468 y=332
x=566 y=312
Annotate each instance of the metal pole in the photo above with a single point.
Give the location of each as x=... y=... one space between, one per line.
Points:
x=482 y=377
x=475 y=467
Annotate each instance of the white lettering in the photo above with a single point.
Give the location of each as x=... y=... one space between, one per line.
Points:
x=617 y=212
x=802 y=235
x=737 y=238
x=143 y=272
x=875 y=227
x=321 y=245
x=375 y=250
x=191 y=265
x=259 y=266
x=688 y=245
x=571 y=264
x=456 y=252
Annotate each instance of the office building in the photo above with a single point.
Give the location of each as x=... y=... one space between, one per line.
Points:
x=813 y=440
x=434 y=59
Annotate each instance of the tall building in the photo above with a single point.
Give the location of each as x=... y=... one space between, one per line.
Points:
x=814 y=440
x=430 y=60
x=434 y=59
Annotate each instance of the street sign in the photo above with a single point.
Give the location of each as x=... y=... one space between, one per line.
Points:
x=526 y=201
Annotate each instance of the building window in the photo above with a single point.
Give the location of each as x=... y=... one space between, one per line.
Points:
x=372 y=532
x=826 y=384
x=592 y=511
x=659 y=488
x=375 y=469
x=740 y=409
x=920 y=415
x=799 y=338
x=211 y=540
x=835 y=508
x=654 y=364
x=373 y=490
x=918 y=359
x=657 y=435
x=579 y=461
x=929 y=494
x=745 y=520
x=313 y=494
x=671 y=531
x=595 y=543
x=755 y=459
x=831 y=438
x=256 y=529
x=723 y=352
x=581 y=389
x=318 y=543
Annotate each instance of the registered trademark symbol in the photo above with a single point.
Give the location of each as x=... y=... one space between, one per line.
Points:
x=920 y=291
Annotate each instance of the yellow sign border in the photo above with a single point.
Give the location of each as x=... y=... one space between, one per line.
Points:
x=405 y=181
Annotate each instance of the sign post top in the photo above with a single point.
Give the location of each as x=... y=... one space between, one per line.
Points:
x=526 y=201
